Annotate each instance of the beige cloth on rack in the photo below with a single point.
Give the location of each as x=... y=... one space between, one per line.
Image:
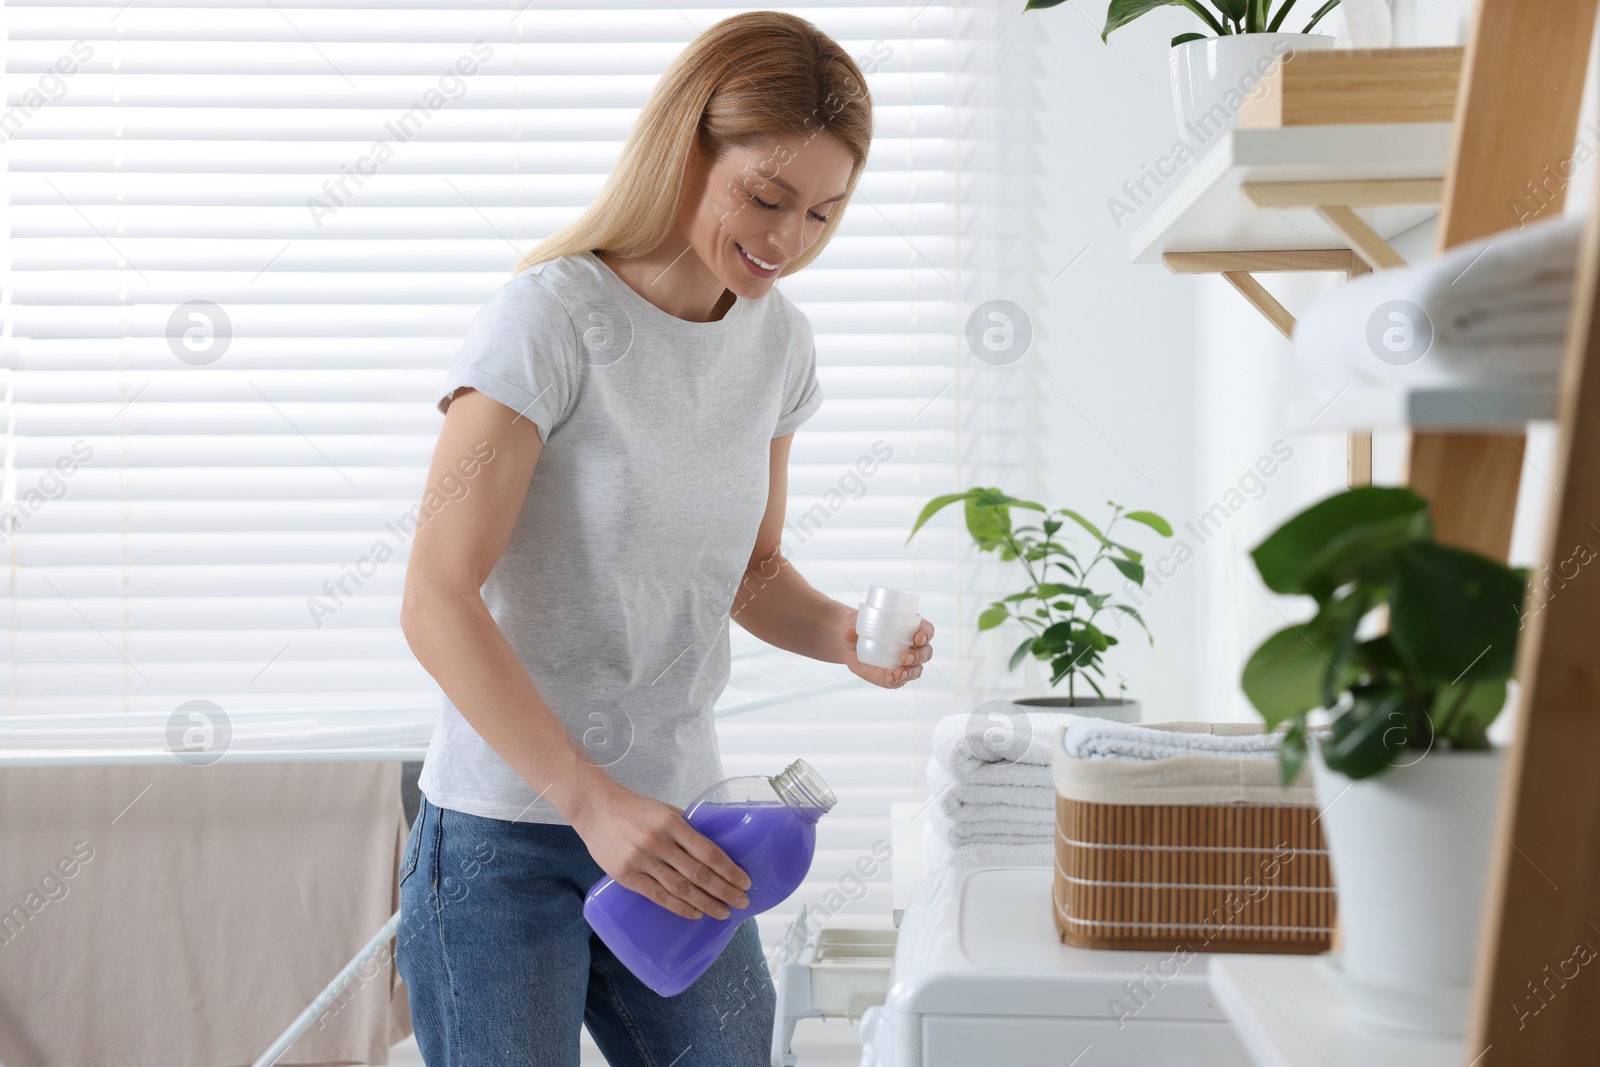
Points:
x=176 y=916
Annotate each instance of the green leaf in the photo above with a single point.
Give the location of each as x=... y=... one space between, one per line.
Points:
x=1097 y=600
x=1122 y=12
x=1233 y=9
x=1150 y=518
x=1453 y=614
x=1277 y=20
x=993 y=616
x=1056 y=635
x=1348 y=536
x=988 y=524
x=1021 y=651
x=1321 y=11
x=994 y=498
x=1051 y=526
x=932 y=508
x=1185 y=38
x=1285 y=677
x=1462 y=713
x=1094 y=530
x=1089 y=634
x=1036 y=5
x=1126 y=610
x=1368 y=735
x=1292 y=752
x=1050 y=589
x=1131 y=570
x=1345 y=616
x=1380 y=660
x=1198 y=9
x=1129 y=553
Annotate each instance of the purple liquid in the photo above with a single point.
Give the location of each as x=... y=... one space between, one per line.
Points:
x=773 y=843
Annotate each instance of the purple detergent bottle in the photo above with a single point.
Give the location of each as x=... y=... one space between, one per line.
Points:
x=768 y=826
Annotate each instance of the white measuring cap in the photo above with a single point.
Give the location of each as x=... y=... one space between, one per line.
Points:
x=892 y=601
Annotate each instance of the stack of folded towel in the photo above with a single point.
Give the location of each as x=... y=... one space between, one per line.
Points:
x=992 y=807
x=1496 y=310
x=998 y=807
x=1102 y=739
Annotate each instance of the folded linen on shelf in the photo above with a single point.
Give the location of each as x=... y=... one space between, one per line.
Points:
x=1103 y=739
x=1491 y=310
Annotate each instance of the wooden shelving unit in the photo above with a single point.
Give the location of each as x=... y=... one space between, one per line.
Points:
x=1317 y=192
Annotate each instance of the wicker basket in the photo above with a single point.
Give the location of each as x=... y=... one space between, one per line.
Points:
x=1203 y=852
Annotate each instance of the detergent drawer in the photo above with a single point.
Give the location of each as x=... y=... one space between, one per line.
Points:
x=989 y=1040
x=825 y=972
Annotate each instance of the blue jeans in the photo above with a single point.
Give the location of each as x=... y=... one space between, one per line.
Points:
x=501 y=967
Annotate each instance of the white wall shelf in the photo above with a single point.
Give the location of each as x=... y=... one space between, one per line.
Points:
x=1299 y=198
x=1461 y=409
x=1209 y=211
x=1286 y=1014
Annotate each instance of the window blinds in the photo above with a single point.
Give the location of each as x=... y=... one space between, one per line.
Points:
x=244 y=240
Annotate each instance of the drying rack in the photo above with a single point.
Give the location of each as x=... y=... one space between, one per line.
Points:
x=761 y=677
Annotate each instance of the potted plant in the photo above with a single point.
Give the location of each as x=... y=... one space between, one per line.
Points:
x=1407 y=778
x=1213 y=70
x=1059 y=609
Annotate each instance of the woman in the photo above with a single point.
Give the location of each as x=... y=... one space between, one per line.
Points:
x=611 y=475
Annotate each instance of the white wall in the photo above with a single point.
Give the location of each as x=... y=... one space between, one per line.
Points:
x=1114 y=417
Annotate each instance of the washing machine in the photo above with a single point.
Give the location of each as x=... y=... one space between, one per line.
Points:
x=975 y=975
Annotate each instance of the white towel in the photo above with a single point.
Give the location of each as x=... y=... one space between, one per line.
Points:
x=1103 y=739
x=1000 y=750
x=956 y=798
x=1497 y=308
x=980 y=822
x=999 y=852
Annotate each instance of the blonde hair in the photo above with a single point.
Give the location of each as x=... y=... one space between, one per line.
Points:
x=746 y=80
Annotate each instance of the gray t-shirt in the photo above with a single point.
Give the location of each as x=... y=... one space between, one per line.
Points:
x=639 y=521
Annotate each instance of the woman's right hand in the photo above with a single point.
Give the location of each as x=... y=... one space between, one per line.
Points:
x=649 y=847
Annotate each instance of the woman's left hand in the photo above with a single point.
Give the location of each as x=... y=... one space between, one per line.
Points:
x=920 y=652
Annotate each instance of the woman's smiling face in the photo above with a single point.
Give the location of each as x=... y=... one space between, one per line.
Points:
x=762 y=206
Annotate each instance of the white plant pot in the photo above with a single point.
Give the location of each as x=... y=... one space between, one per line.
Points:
x=1409 y=850
x=1116 y=709
x=1212 y=76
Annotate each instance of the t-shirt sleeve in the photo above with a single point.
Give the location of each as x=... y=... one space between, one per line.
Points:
x=802 y=394
x=521 y=350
